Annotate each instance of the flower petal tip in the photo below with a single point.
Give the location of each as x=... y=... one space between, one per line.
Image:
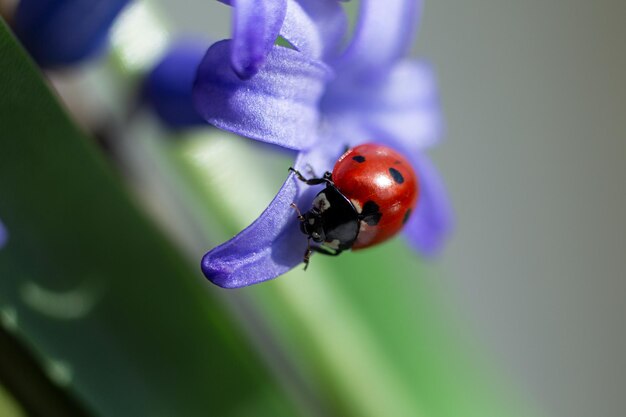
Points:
x=429 y=229
x=432 y=247
x=255 y=29
x=247 y=71
x=212 y=272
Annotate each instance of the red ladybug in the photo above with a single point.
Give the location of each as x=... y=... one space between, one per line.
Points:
x=368 y=198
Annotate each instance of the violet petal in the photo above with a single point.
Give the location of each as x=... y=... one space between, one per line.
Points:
x=433 y=221
x=279 y=105
x=402 y=107
x=384 y=32
x=63 y=32
x=273 y=244
x=315 y=27
x=257 y=253
x=256 y=24
x=168 y=87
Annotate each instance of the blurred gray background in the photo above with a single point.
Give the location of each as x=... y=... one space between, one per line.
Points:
x=535 y=99
x=534 y=94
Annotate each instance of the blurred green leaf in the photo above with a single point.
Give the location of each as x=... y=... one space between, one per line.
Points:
x=108 y=305
x=8 y=406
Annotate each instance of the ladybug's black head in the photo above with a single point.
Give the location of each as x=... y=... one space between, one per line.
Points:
x=332 y=221
x=312 y=225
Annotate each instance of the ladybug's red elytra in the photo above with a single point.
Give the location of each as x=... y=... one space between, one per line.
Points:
x=368 y=198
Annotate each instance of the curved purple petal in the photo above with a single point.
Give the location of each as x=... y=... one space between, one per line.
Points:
x=315 y=27
x=273 y=244
x=279 y=105
x=256 y=24
x=383 y=34
x=433 y=220
x=402 y=107
x=62 y=32
x=168 y=86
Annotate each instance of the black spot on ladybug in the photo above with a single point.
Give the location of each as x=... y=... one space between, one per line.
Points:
x=395 y=174
x=359 y=158
x=406 y=216
x=371 y=213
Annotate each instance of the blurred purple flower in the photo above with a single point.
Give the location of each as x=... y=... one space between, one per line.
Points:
x=168 y=86
x=315 y=99
x=63 y=32
x=4 y=235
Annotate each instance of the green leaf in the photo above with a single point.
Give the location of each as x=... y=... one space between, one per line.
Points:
x=8 y=405
x=109 y=306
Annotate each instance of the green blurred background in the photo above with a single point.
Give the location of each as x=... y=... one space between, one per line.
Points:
x=105 y=313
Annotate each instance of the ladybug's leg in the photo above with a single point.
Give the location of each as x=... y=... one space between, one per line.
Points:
x=310 y=249
x=307 y=254
x=326 y=179
x=325 y=251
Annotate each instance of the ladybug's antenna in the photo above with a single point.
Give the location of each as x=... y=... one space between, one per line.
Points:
x=300 y=216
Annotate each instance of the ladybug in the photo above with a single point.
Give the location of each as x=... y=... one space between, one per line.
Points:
x=368 y=198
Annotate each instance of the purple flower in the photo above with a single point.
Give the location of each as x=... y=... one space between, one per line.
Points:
x=4 y=235
x=317 y=99
x=63 y=32
x=168 y=86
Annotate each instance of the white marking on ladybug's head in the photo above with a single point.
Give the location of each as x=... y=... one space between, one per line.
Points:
x=321 y=203
x=334 y=244
x=311 y=221
x=357 y=206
